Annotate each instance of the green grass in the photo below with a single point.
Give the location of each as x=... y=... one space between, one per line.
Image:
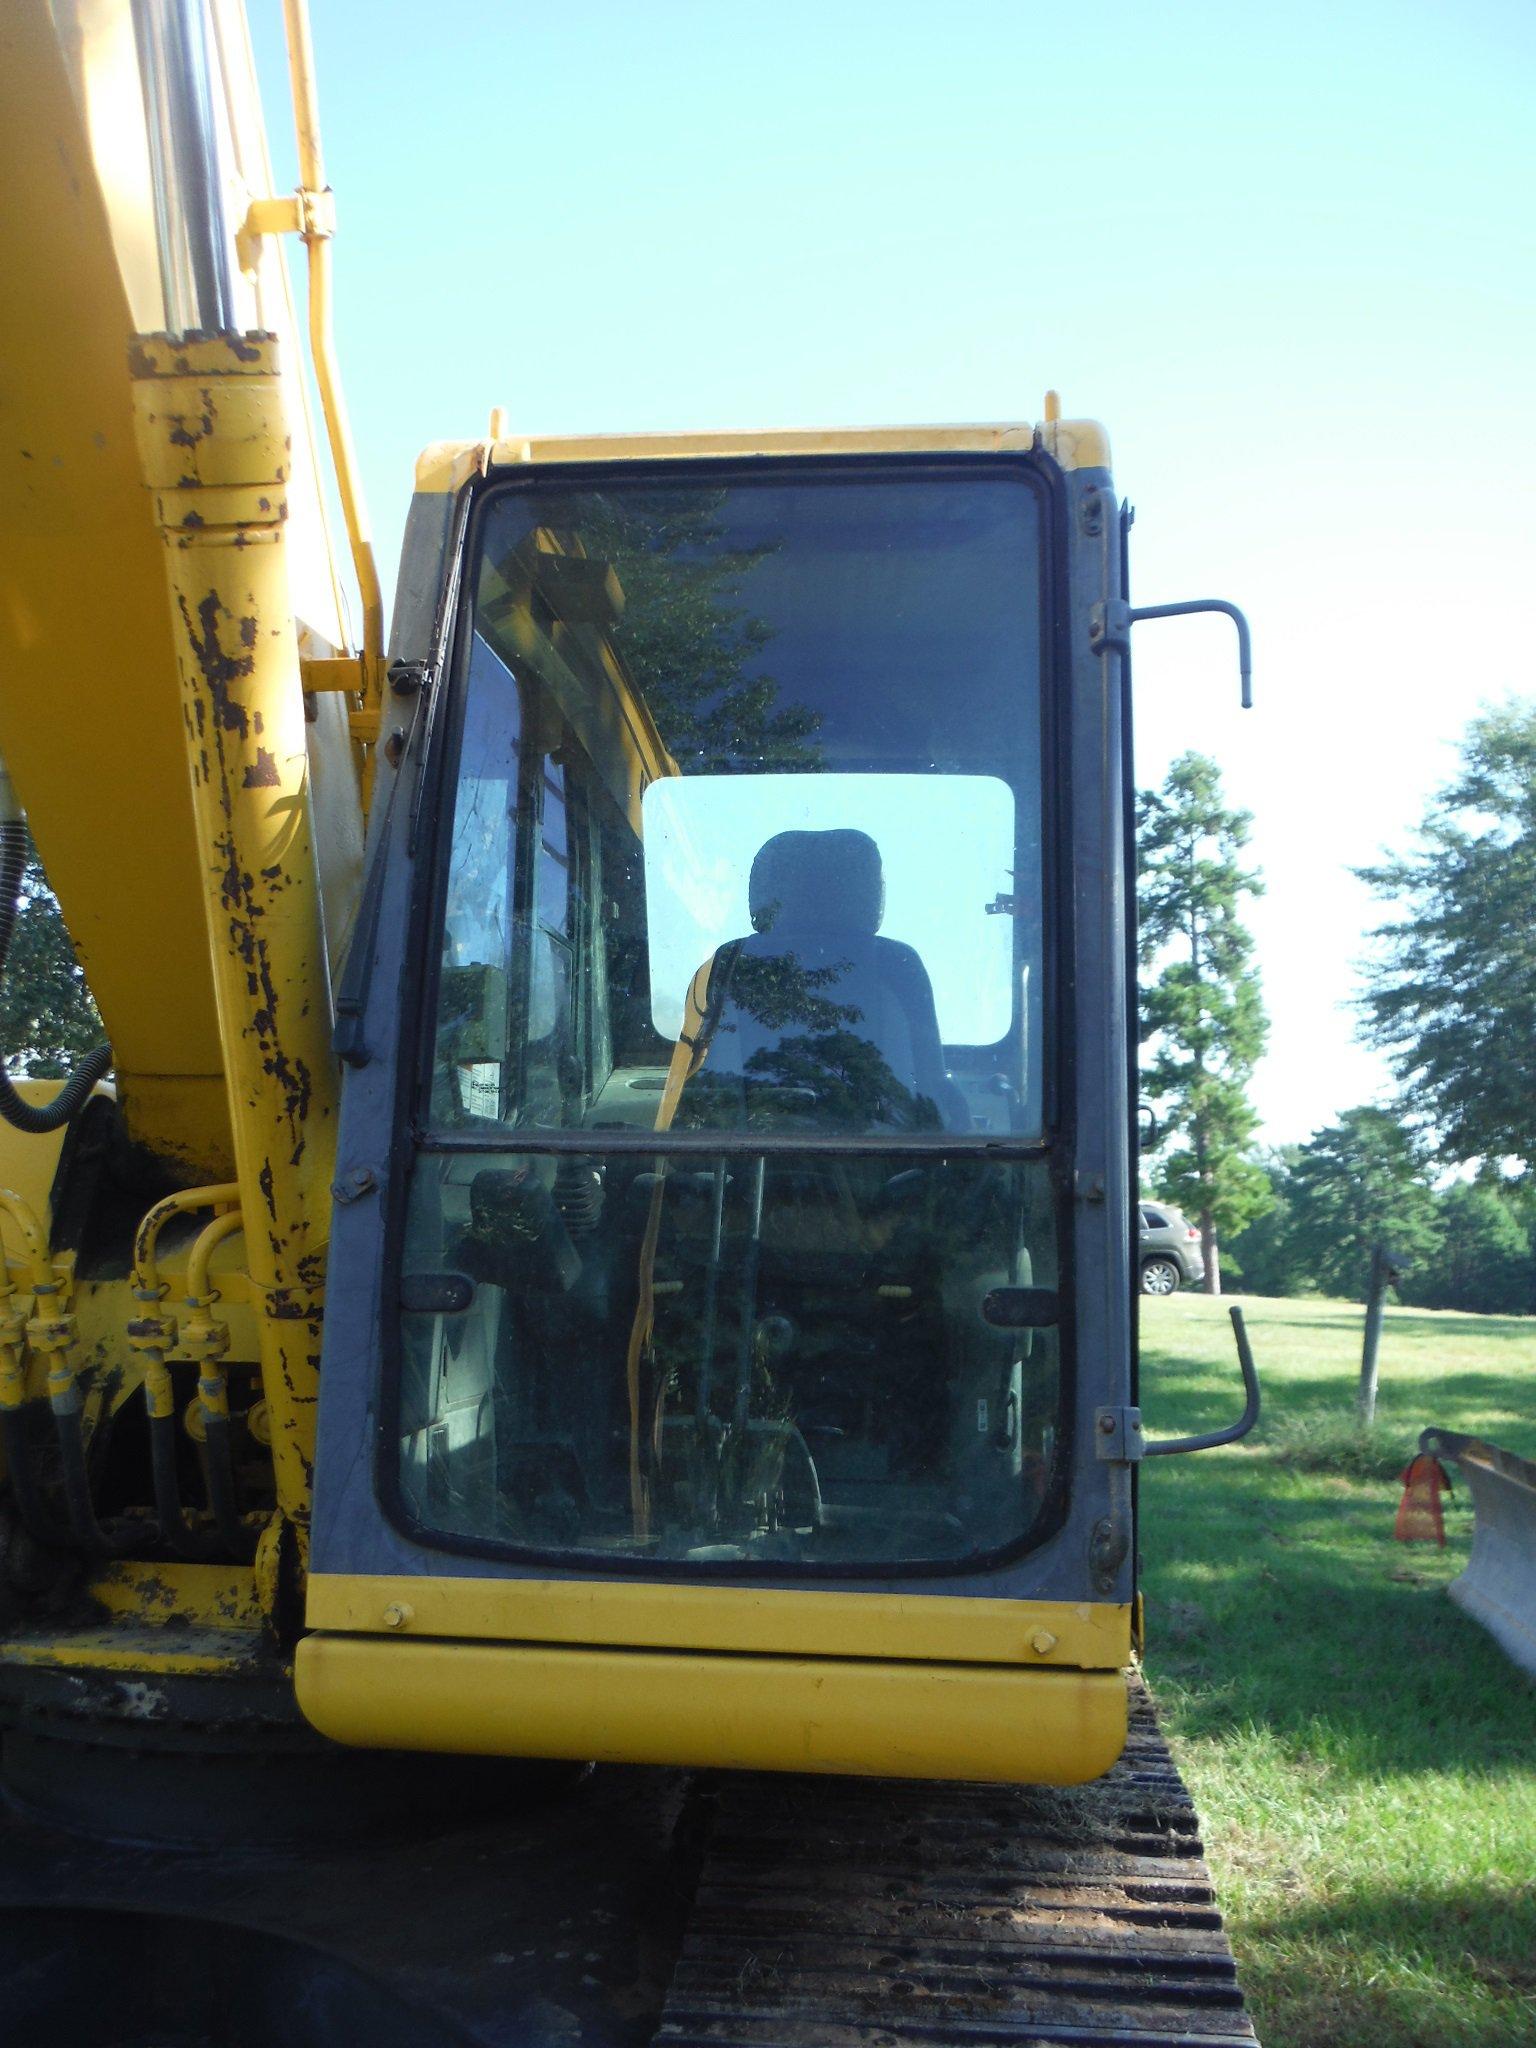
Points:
x=1363 y=1756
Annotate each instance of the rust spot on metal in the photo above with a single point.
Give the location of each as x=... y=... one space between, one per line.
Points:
x=140 y=362
x=262 y=773
x=194 y=518
x=247 y=632
x=241 y=349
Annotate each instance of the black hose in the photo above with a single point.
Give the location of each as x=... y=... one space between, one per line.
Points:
x=89 y=1534
x=222 y=1500
x=184 y=1541
x=36 y=1515
x=34 y=1118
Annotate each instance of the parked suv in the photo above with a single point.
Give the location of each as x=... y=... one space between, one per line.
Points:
x=1170 y=1250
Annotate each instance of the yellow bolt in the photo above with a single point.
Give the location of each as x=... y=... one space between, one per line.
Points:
x=1042 y=1642
x=397 y=1614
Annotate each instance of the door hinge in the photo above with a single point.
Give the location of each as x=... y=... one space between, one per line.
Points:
x=1117 y=1438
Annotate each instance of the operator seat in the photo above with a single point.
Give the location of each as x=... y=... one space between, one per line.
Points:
x=814 y=1006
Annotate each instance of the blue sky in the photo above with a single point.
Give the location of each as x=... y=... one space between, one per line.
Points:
x=1287 y=254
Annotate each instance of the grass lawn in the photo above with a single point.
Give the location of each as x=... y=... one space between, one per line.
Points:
x=1363 y=1756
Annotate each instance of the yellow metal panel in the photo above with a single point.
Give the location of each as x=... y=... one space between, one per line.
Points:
x=183 y=1117
x=90 y=718
x=148 y=1652
x=735 y=1618
x=28 y=1162
x=732 y=1713
x=179 y=1596
x=1075 y=444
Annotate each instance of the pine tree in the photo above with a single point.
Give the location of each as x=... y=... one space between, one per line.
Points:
x=1483 y=1265
x=1360 y=1183
x=1451 y=993
x=1202 y=1016
x=1263 y=1251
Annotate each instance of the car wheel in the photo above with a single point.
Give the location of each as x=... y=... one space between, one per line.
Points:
x=1160 y=1276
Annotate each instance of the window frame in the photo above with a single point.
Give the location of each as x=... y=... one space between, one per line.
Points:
x=1055 y=1147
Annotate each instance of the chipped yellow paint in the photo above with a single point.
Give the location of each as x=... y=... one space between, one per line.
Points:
x=179 y=1596
x=209 y=421
x=145 y=1652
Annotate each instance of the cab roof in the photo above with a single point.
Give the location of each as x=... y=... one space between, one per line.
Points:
x=445 y=465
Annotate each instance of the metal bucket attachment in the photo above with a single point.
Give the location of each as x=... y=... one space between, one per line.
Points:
x=1498 y=1587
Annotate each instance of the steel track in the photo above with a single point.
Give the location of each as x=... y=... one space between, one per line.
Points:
x=842 y=1913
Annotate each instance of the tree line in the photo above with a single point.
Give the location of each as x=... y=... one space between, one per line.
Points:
x=1444 y=1175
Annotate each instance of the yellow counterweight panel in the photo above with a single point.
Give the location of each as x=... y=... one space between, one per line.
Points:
x=90 y=723
x=835 y=1714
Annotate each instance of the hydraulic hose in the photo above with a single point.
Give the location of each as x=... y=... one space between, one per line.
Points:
x=178 y=1535
x=239 y=1539
x=206 y=1341
x=151 y=1334
x=35 y=1118
x=90 y=1535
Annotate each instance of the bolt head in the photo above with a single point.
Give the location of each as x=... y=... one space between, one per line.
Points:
x=396 y=1614
x=1042 y=1642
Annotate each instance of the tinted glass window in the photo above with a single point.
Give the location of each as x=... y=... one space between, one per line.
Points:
x=745 y=842
x=756 y=768
x=780 y=1360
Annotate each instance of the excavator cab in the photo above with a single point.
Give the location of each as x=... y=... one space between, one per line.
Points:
x=733 y=1267
x=632 y=1263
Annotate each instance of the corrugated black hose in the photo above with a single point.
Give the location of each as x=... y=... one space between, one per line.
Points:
x=76 y=1092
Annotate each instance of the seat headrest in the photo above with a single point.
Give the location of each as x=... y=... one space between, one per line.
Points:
x=825 y=879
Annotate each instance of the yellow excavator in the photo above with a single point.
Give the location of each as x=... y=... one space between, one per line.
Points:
x=568 y=1377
